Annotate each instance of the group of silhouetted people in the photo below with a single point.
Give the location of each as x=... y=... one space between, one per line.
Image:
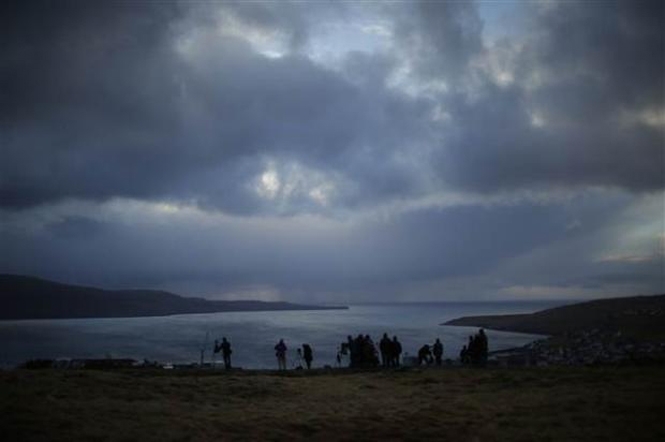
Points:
x=391 y=351
x=475 y=353
x=305 y=354
x=363 y=353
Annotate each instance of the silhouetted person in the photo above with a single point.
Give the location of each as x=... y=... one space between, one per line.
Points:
x=396 y=351
x=477 y=349
x=385 y=348
x=472 y=350
x=354 y=353
x=280 y=352
x=424 y=355
x=437 y=350
x=307 y=355
x=463 y=356
x=483 y=347
x=359 y=350
x=225 y=348
x=371 y=359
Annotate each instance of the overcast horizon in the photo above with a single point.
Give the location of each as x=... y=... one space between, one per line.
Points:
x=336 y=152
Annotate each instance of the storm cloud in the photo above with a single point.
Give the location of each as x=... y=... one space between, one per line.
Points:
x=335 y=151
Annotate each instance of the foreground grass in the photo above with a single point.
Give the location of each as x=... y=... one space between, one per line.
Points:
x=562 y=404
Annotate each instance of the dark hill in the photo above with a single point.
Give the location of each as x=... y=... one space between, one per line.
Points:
x=638 y=316
x=24 y=297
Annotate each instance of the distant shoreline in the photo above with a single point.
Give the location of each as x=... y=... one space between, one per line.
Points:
x=638 y=316
x=30 y=298
x=295 y=309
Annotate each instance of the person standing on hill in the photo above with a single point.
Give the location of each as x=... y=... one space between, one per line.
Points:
x=280 y=352
x=463 y=356
x=307 y=355
x=437 y=350
x=359 y=349
x=353 y=352
x=396 y=352
x=225 y=347
x=472 y=350
x=370 y=357
x=483 y=347
x=385 y=347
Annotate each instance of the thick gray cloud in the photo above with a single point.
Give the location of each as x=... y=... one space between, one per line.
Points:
x=135 y=117
x=84 y=92
x=439 y=160
x=569 y=113
x=441 y=38
x=134 y=101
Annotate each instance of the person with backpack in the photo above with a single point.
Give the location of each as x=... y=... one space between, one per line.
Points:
x=225 y=348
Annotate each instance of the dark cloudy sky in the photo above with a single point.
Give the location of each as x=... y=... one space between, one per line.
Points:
x=335 y=151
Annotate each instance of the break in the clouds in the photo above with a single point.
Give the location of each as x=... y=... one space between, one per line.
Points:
x=335 y=151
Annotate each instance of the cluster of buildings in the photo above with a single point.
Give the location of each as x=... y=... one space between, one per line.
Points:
x=587 y=347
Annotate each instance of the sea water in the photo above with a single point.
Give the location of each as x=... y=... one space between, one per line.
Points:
x=180 y=339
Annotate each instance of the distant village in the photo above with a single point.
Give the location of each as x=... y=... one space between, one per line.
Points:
x=592 y=347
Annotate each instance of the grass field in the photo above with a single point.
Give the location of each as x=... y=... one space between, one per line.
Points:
x=452 y=404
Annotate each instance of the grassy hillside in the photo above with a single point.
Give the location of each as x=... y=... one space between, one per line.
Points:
x=581 y=404
x=642 y=317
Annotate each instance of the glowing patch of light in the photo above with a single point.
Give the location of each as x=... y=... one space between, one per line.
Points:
x=555 y=292
x=654 y=118
x=272 y=53
x=402 y=79
x=320 y=194
x=290 y=185
x=628 y=258
x=269 y=184
x=379 y=29
x=504 y=78
x=536 y=119
x=649 y=117
x=268 y=42
x=167 y=208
